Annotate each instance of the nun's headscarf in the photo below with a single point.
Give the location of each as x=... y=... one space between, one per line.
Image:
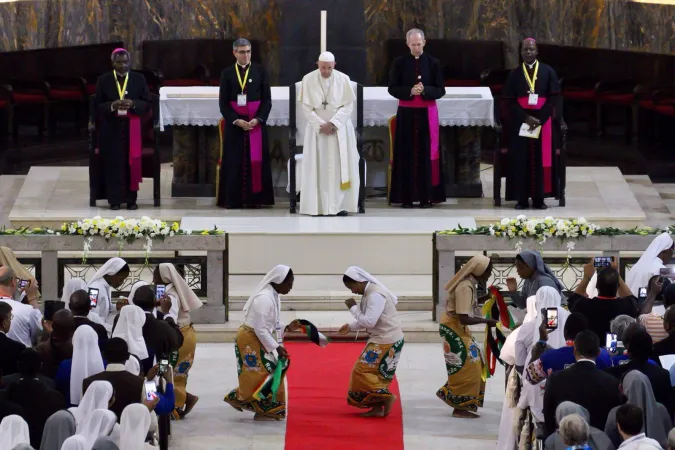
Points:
x=87 y=361
x=59 y=427
x=277 y=276
x=649 y=263
x=130 y=328
x=535 y=262
x=361 y=276
x=73 y=285
x=111 y=267
x=187 y=299
x=13 y=431
x=476 y=266
x=134 y=427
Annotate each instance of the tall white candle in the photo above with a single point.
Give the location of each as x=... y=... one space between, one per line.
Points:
x=324 y=15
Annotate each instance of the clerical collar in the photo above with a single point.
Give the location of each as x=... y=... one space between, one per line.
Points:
x=243 y=67
x=531 y=66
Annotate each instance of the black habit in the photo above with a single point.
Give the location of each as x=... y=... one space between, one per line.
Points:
x=235 y=188
x=113 y=134
x=411 y=167
x=526 y=177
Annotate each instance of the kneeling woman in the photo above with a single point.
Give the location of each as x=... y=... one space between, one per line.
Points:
x=258 y=350
x=375 y=368
x=465 y=389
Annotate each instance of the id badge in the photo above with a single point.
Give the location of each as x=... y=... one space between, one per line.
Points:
x=280 y=336
x=533 y=100
x=241 y=100
x=121 y=112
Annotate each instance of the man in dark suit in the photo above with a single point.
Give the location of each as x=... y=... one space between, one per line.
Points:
x=162 y=336
x=9 y=348
x=583 y=384
x=59 y=346
x=245 y=102
x=38 y=401
x=640 y=349
x=121 y=98
x=667 y=345
x=128 y=387
x=80 y=305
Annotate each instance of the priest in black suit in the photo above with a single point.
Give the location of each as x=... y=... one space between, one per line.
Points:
x=244 y=170
x=10 y=350
x=122 y=97
x=416 y=80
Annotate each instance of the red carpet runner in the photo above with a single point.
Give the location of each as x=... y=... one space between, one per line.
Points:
x=318 y=415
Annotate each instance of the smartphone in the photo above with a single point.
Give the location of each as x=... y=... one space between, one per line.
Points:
x=23 y=284
x=642 y=293
x=611 y=342
x=602 y=261
x=93 y=297
x=159 y=291
x=552 y=318
x=150 y=390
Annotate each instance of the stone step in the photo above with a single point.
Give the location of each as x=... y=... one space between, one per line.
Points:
x=418 y=326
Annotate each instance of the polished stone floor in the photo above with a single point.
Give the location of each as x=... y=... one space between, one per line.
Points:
x=427 y=424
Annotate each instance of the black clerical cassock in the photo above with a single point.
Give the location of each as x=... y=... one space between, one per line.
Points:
x=119 y=137
x=532 y=170
x=245 y=174
x=417 y=172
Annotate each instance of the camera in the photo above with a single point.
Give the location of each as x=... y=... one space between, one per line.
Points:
x=163 y=366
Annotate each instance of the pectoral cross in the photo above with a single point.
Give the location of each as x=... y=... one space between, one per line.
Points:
x=324 y=103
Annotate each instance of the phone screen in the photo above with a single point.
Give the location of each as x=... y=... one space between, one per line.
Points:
x=150 y=390
x=163 y=364
x=23 y=284
x=642 y=292
x=552 y=318
x=610 y=342
x=602 y=261
x=159 y=292
x=93 y=297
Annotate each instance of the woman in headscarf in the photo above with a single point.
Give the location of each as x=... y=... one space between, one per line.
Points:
x=99 y=395
x=13 y=431
x=105 y=443
x=112 y=275
x=86 y=361
x=375 y=368
x=658 y=254
x=531 y=268
x=532 y=396
x=101 y=422
x=465 y=389
x=130 y=329
x=182 y=300
x=76 y=442
x=508 y=434
x=32 y=290
x=59 y=427
x=134 y=426
x=657 y=422
x=258 y=350
x=597 y=439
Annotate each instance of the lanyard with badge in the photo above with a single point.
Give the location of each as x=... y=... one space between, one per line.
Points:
x=122 y=90
x=241 y=98
x=533 y=99
x=277 y=323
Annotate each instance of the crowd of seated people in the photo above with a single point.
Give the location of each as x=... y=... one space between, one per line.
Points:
x=77 y=380
x=600 y=378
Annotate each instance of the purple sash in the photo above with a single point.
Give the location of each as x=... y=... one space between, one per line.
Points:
x=255 y=143
x=546 y=153
x=432 y=110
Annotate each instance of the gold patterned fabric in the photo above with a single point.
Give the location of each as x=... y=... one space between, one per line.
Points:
x=186 y=356
x=373 y=373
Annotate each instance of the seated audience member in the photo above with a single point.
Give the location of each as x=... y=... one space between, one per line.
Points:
x=134 y=427
x=639 y=349
x=13 y=433
x=100 y=395
x=26 y=318
x=629 y=423
x=128 y=387
x=59 y=347
x=162 y=337
x=667 y=345
x=613 y=299
x=622 y=356
x=80 y=305
x=574 y=432
x=73 y=285
x=102 y=422
x=76 y=442
x=38 y=401
x=583 y=384
x=638 y=392
x=59 y=427
x=597 y=439
x=86 y=361
x=9 y=348
x=619 y=326
x=129 y=327
x=555 y=360
x=651 y=316
x=105 y=443
x=671 y=439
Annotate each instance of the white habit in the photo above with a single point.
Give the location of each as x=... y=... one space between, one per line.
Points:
x=330 y=167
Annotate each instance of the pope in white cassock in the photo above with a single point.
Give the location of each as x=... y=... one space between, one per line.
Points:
x=329 y=182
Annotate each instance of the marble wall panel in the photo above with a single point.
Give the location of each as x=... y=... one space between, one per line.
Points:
x=359 y=28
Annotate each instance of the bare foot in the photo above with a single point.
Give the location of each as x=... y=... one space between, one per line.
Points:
x=190 y=403
x=388 y=404
x=263 y=418
x=459 y=414
x=376 y=411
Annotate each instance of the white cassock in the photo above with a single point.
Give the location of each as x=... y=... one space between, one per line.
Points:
x=330 y=167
